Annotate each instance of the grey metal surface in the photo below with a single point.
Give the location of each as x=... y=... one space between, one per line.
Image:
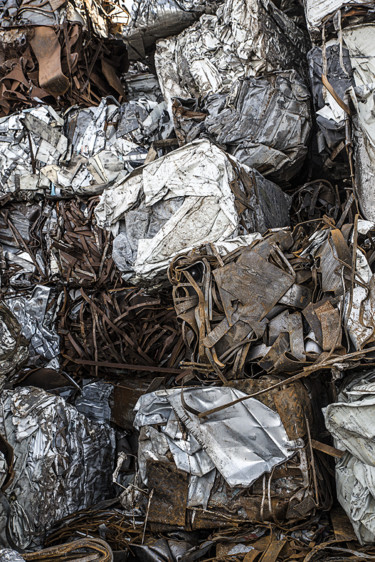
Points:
x=63 y=462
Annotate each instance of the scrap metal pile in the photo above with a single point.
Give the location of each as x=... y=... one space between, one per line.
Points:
x=187 y=280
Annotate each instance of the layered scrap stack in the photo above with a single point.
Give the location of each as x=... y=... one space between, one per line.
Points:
x=187 y=294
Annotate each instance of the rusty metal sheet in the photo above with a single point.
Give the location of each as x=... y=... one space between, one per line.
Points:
x=169 y=499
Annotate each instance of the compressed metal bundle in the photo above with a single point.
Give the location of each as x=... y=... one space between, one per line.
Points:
x=319 y=14
x=45 y=46
x=24 y=245
x=79 y=249
x=245 y=38
x=81 y=152
x=194 y=194
x=331 y=61
x=36 y=311
x=153 y=19
x=264 y=122
x=279 y=303
x=13 y=346
x=59 y=462
x=350 y=421
x=207 y=471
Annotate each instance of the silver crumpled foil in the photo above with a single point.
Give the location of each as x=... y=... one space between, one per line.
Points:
x=180 y=201
x=14 y=348
x=63 y=462
x=36 y=316
x=82 y=152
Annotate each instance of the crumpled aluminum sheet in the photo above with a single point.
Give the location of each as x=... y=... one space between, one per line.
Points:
x=35 y=311
x=14 y=347
x=351 y=422
x=93 y=402
x=317 y=11
x=182 y=200
x=360 y=41
x=24 y=245
x=245 y=38
x=105 y=19
x=153 y=19
x=9 y=555
x=218 y=442
x=264 y=122
x=43 y=153
x=63 y=462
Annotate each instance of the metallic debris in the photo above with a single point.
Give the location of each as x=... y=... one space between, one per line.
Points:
x=14 y=349
x=36 y=313
x=219 y=472
x=61 y=462
x=81 y=152
x=264 y=122
x=194 y=194
x=350 y=422
x=119 y=331
x=187 y=280
x=244 y=38
x=151 y=20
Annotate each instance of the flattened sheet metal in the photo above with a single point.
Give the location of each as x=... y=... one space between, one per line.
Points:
x=240 y=456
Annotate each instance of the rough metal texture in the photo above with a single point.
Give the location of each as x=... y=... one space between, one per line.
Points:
x=82 y=152
x=192 y=195
x=62 y=462
x=264 y=122
x=153 y=19
x=259 y=38
x=250 y=305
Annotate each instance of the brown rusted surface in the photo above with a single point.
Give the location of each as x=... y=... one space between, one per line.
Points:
x=80 y=67
x=271 y=306
x=124 y=326
x=170 y=492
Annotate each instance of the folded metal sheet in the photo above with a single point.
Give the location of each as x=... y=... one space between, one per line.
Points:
x=350 y=421
x=81 y=152
x=14 y=348
x=218 y=443
x=245 y=38
x=62 y=462
x=193 y=195
x=359 y=40
x=153 y=19
x=36 y=310
x=318 y=11
x=264 y=122
x=209 y=472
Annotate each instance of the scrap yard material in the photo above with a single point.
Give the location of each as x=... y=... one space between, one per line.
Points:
x=193 y=194
x=187 y=261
